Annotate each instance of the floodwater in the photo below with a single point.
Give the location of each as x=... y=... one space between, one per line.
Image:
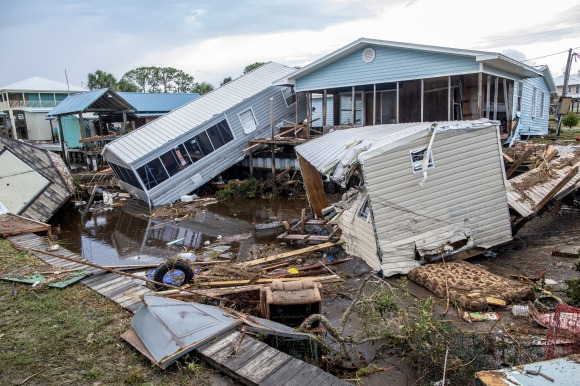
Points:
x=127 y=234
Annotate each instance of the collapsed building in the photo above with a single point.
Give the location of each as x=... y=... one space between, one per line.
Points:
x=420 y=191
x=177 y=153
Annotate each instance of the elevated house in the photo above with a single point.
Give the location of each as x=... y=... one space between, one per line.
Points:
x=572 y=91
x=34 y=182
x=24 y=104
x=177 y=153
x=370 y=82
x=420 y=191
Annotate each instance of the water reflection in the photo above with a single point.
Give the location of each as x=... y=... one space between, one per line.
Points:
x=123 y=235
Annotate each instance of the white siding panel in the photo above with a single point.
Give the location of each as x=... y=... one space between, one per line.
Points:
x=464 y=194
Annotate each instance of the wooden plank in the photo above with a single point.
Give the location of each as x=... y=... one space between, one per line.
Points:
x=263 y=364
x=320 y=279
x=217 y=345
x=285 y=373
x=292 y=253
x=107 y=283
x=314 y=186
x=249 y=349
x=118 y=289
x=517 y=163
x=556 y=189
x=508 y=158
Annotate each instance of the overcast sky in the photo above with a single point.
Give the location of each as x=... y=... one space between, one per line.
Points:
x=215 y=39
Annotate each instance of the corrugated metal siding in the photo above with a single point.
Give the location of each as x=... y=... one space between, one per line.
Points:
x=56 y=193
x=528 y=125
x=390 y=64
x=211 y=165
x=463 y=195
x=139 y=143
x=37 y=126
x=72 y=131
x=359 y=234
x=77 y=102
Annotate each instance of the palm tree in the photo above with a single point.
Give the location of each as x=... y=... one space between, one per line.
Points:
x=202 y=88
x=101 y=79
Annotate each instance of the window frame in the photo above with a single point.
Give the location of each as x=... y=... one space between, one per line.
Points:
x=250 y=110
x=419 y=163
x=520 y=96
x=534 y=102
x=292 y=95
x=364 y=211
x=542 y=102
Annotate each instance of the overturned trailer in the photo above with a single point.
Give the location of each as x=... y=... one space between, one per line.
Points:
x=421 y=190
x=177 y=153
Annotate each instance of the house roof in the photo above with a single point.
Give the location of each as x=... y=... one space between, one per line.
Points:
x=574 y=79
x=151 y=136
x=96 y=100
x=36 y=83
x=492 y=59
x=153 y=104
x=548 y=78
x=340 y=149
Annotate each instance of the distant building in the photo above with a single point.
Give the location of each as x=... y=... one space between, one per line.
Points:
x=24 y=104
x=573 y=84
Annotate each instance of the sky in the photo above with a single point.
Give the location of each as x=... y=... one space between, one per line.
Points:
x=214 y=39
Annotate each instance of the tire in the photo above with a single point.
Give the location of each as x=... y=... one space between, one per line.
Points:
x=173 y=268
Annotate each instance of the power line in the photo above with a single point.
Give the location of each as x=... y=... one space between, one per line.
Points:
x=545 y=56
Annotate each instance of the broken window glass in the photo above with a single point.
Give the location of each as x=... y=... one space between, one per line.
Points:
x=172 y=162
x=225 y=131
x=417 y=156
x=193 y=149
x=215 y=136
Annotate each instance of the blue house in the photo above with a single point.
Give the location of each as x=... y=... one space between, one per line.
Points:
x=375 y=82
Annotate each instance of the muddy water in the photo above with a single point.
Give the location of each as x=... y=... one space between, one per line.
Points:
x=127 y=234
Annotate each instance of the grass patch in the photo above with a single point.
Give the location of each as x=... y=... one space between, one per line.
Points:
x=71 y=336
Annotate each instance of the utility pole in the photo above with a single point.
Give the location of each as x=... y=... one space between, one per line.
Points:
x=564 y=89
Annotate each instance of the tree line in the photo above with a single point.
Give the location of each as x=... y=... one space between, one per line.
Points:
x=155 y=79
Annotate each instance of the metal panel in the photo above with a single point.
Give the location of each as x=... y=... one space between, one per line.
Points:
x=171 y=328
x=186 y=118
x=408 y=216
x=37 y=126
x=19 y=183
x=158 y=102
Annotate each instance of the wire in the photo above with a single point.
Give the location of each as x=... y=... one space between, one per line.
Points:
x=545 y=56
x=536 y=33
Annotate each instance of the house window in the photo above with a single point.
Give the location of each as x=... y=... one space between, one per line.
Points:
x=125 y=175
x=417 y=156
x=542 y=97
x=346 y=109
x=534 y=102
x=248 y=120
x=520 y=94
x=289 y=96
x=365 y=209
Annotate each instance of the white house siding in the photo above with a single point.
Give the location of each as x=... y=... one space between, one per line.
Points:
x=464 y=196
x=38 y=126
x=210 y=166
x=390 y=65
x=359 y=233
x=537 y=125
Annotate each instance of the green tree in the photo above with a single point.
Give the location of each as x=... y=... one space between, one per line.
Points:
x=101 y=79
x=202 y=88
x=143 y=78
x=226 y=80
x=570 y=120
x=183 y=82
x=252 y=66
x=125 y=86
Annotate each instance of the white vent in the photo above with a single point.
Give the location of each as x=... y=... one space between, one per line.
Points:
x=368 y=55
x=197 y=179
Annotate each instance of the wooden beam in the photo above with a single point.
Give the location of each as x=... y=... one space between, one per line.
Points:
x=353 y=106
x=314 y=186
x=517 y=164
x=479 y=95
x=449 y=98
x=571 y=174
x=422 y=98
x=487 y=97
x=508 y=158
x=324 y=112
x=226 y=283
x=374 y=121
x=397 y=102
x=292 y=253
x=495 y=95
x=506 y=101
